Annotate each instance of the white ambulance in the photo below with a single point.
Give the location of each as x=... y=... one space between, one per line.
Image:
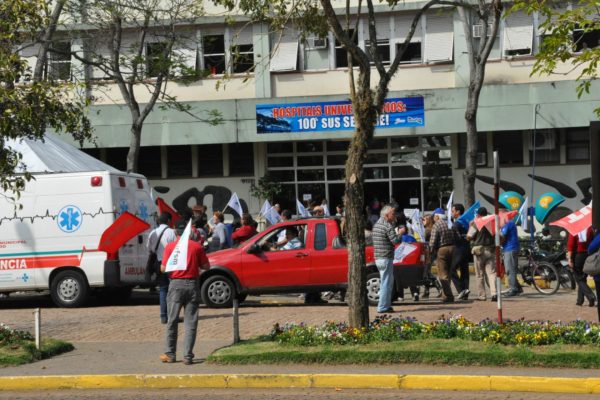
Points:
x=83 y=226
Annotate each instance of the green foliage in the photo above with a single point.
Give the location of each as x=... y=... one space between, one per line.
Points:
x=266 y=188
x=28 y=108
x=559 y=45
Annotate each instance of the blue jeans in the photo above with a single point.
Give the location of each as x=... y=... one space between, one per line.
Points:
x=510 y=262
x=386 y=287
x=163 y=290
x=183 y=293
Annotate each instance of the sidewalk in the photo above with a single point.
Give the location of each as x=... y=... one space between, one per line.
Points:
x=136 y=365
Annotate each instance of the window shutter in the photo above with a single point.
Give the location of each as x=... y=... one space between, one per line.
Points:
x=285 y=52
x=439 y=38
x=402 y=24
x=518 y=32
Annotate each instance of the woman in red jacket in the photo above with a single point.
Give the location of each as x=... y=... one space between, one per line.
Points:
x=246 y=231
x=576 y=255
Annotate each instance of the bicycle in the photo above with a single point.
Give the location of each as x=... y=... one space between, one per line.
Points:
x=542 y=274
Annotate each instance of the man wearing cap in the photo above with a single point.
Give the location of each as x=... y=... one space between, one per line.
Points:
x=184 y=292
x=442 y=244
x=484 y=257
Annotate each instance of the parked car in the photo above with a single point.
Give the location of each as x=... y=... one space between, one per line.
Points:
x=256 y=267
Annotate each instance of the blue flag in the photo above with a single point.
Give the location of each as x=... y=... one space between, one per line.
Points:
x=469 y=215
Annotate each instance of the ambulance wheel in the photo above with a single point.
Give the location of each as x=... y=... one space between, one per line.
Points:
x=69 y=289
x=217 y=292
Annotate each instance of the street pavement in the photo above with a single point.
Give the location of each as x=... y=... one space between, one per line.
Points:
x=127 y=339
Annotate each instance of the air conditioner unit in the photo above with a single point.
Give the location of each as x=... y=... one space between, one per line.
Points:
x=316 y=43
x=478 y=30
x=543 y=140
x=481 y=159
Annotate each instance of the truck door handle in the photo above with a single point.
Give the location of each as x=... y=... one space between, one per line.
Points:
x=300 y=255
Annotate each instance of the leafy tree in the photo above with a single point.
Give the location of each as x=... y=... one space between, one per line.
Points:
x=266 y=188
x=562 y=45
x=140 y=68
x=486 y=14
x=29 y=106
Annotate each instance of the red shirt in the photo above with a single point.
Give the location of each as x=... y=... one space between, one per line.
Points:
x=575 y=246
x=243 y=233
x=196 y=258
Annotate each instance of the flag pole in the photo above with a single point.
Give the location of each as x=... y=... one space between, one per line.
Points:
x=497 y=235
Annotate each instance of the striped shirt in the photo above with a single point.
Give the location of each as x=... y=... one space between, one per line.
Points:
x=384 y=239
x=441 y=235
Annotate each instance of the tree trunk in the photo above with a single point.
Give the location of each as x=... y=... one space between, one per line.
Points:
x=46 y=41
x=358 y=310
x=471 y=155
x=134 y=148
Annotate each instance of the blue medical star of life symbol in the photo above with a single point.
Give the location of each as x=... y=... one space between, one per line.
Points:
x=123 y=206
x=25 y=277
x=69 y=219
x=143 y=210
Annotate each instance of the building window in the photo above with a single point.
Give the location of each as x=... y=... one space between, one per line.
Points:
x=383 y=49
x=149 y=163
x=179 y=161
x=586 y=40
x=412 y=54
x=578 y=145
x=518 y=34
x=243 y=58
x=481 y=149
x=508 y=144
x=60 y=61
x=210 y=160
x=213 y=48
x=280 y=147
x=117 y=157
x=341 y=56
x=241 y=159
x=156 y=63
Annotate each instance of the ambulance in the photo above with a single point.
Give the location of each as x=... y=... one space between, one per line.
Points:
x=80 y=226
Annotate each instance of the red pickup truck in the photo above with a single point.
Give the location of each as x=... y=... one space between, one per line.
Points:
x=318 y=263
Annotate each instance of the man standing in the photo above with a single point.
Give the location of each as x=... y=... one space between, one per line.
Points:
x=510 y=248
x=484 y=257
x=385 y=236
x=460 y=259
x=441 y=244
x=184 y=292
x=157 y=241
x=200 y=219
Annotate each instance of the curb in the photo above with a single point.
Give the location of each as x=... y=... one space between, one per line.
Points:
x=278 y=381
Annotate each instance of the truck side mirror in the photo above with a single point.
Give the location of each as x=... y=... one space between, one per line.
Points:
x=254 y=249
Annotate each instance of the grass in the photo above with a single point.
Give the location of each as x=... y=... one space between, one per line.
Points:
x=24 y=352
x=425 y=351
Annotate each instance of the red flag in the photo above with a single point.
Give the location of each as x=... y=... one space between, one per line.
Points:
x=120 y=232
x=576 y=222
x=488 y=222
x=164 y=207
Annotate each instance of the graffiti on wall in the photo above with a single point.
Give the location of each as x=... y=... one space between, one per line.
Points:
x=220 y=196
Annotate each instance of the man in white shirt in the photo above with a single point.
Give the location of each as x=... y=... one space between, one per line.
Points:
x=166 y=235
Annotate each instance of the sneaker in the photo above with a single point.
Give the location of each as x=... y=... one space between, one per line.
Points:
x=464 y=294
x=512 y=293
x=592 y=302
x=416 y=297
x=188 y=361
x=494 y=298
x=167 y=358
x=387 y=310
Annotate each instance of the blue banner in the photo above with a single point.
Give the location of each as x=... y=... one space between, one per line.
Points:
x=335 y=116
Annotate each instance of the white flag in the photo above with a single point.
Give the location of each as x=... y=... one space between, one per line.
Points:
x=301 y=209
x=265 y=208
x=582 y=236
x=417 y=225
x=523 y=213
x=449 y=209
x=272 y=216
x=234 y=204
x=178 y=259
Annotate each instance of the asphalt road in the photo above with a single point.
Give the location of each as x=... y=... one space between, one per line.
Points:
x=286 y=394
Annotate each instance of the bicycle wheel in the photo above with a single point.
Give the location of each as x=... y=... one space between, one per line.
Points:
x=546 y=279
x=567 y=280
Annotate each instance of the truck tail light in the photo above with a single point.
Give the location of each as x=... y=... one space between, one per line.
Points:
x=140 y=184
x=121 y=181
x=96 y=181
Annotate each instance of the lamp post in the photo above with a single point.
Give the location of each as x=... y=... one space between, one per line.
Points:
x=531 y=211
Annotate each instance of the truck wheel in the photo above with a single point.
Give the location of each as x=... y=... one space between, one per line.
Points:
x=69 y=289
x=373 y=284
x=217 y=292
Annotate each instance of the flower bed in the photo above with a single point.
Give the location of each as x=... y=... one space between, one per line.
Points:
x=11 y=336
x=387 y=329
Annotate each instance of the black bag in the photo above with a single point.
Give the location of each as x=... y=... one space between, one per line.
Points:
x=592 y=264
x=152 y=264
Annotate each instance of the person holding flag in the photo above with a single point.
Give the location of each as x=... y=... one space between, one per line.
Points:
x=235 y=204
x=184 y=260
